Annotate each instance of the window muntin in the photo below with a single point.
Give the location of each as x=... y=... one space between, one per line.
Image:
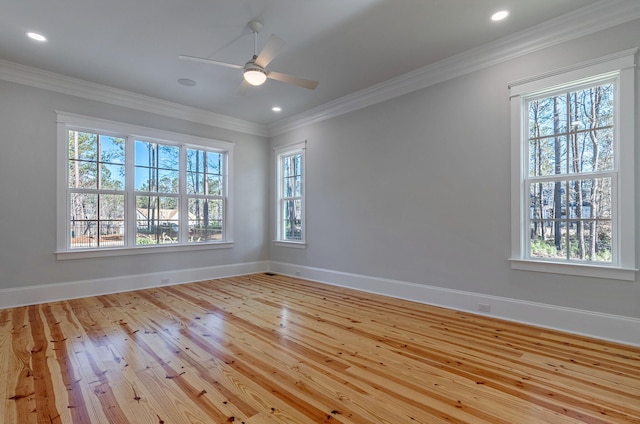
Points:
x=572 y=169
x=290 y=211
x=124 y=191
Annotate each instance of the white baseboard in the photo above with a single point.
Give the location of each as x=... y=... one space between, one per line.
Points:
x=594 y=324
x=72 y=290
x=588 y=323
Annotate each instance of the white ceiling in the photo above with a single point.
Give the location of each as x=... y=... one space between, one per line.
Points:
x=345 y=45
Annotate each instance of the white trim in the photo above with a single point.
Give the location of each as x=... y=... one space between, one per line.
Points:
x=140 y=250
x=587 y=20
x=66 y=121
x=582 y=270
x=76 y=289
x=595 y=69
x=603 y=326
x=279 y=152
x=616 y=328
x=620 y=67
x=584 y=21
x=291 y=244
x=51 y=81
x=99 y=124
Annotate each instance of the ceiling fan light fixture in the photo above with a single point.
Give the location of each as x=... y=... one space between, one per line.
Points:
x=255 y=76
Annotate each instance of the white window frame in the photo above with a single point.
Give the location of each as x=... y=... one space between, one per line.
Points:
x=621 y=67
x=280 y=153
x=69 y=121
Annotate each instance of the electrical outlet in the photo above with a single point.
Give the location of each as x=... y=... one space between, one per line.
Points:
x=164 y=281
x=298 y=273
x=484 y=307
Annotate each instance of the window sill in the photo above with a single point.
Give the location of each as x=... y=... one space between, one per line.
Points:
x=582 y=270
x=291 y=244
x=142 y=250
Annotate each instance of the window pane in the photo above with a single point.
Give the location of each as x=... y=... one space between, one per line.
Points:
x=293 y=186
x=592 y=151
x=590 y=241
x=547 y=206
x=145 y=153
x=111 y=177
x=157 y=220
x=83 y=174
x=195 y=160
x=214 y=186
x=548 y=156
x=167 y=181
x=83 y=220
x=145 y=180
x=592 y=107
x=168 y=157
x=547 y=200
x=205 y=220
x=83 y=234
x=195 y=183
x=204 y=172
x=111 y=220
x=542 y=240
x=292 y=165
x=83 y=146
x=111 y=233
x=156 y=167
x=548 y=116
x=111 y=206
x=590 y=199
x=112 y=149
x=83 y=206
x=214 y=163
x=292 y=219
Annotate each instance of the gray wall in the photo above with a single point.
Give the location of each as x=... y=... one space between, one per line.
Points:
x=417 y=188
x=28 y=201
x=414 y=189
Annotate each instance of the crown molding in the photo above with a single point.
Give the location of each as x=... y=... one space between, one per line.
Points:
x=587 y=20
x=582 y=22
x=51 y=81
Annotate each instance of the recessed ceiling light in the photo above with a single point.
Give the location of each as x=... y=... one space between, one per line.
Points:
x=498 y=16
x=187 y=82
x=276 y=109
x=36 y=36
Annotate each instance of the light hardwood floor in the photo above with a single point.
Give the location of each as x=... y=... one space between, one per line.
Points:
x=274 y=349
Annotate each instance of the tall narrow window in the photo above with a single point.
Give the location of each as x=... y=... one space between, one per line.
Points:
x=156 y=190
x=96 y=192
x=205 y=189
x=123 y=189
x=291 y=188
x=573 y=180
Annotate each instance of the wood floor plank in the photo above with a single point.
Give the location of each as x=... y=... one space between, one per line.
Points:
x=276 y=349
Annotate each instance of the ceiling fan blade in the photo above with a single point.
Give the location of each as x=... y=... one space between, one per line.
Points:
x=290 y=79
x=270 y=50
x=242 y=89
x=209 y=61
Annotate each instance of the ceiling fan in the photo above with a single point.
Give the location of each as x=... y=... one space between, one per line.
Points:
x=255 y=70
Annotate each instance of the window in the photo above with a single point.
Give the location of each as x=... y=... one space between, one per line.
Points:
x=573 y=171
x=290 y=163
x=124 y=188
